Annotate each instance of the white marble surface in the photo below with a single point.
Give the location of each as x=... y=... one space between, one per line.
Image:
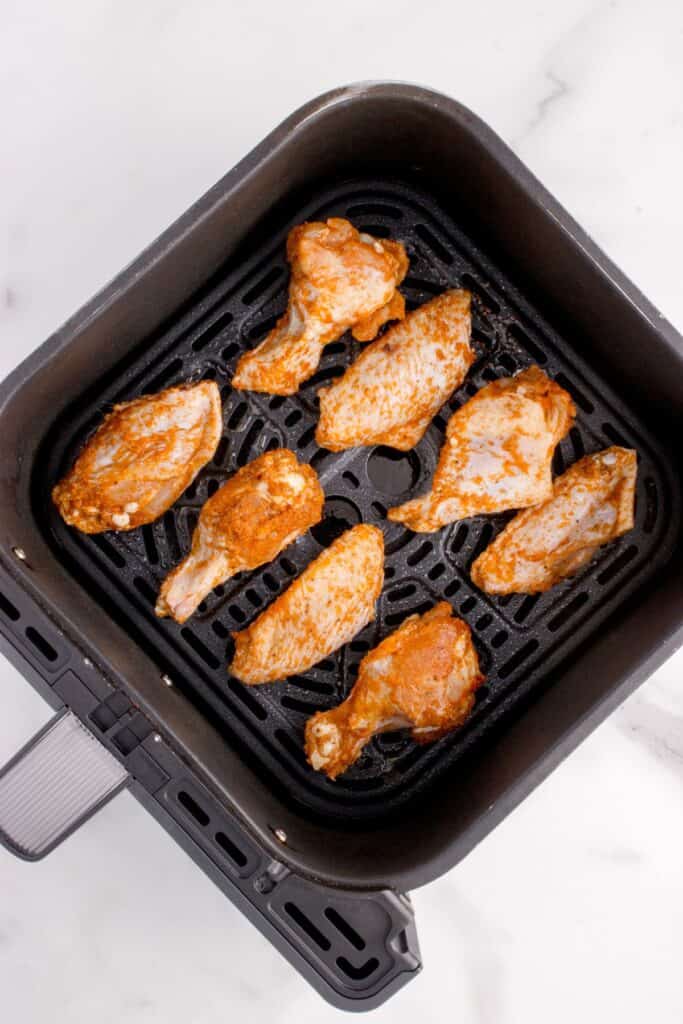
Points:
x=115 y=116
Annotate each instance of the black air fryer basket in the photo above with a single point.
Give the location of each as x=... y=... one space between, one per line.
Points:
x=320 y=867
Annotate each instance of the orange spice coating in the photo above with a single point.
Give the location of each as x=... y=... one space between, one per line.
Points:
x=331 y=601
x=423 y=677
x=591 y=504
x=141 y=458
x=391 y=393
x=264 y=507
x=340 y=279
x=497 y=454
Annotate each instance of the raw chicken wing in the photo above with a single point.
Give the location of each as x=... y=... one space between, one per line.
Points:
x=397 y=385
x=497 y=454
x=141 y=459
x=340 y=279
x=422 y=677
x=264 y=507
x=591 y=504
x=332 y=600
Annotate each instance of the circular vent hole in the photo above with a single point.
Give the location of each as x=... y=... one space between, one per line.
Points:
x=393 y=472
x=338 y=515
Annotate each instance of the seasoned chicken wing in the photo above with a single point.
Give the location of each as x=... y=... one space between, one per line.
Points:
x=497 y=454
x=264 y=507
x=396 y=386
x=340 y=279
x=141 y=459
x=332 y=600
x=591 y=504
x=422 y=677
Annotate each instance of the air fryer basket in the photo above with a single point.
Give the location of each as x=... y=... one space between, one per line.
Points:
x=518 y=638
x=211 y=757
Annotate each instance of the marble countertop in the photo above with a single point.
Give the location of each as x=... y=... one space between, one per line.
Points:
x=115 y=118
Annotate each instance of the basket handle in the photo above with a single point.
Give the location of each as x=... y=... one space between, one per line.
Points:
x=58 y=780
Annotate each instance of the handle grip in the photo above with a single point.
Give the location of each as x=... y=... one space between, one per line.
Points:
x=58 y=780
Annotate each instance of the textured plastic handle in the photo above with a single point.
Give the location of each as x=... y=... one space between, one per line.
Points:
x=55 y=783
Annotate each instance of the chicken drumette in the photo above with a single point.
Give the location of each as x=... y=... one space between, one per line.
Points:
x=422 y=677
x=341 y=279
x=591 y=504
x=264 y=507
x=332 y=600
x=391 y=393
x=497 y=454
x=141 y=459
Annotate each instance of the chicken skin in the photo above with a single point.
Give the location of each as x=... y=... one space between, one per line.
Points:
x=340 y=279
x=422 y=677
x=332 y=600
x=591 y=504
x=497 y=454
x=391 y=393
x=141 y=458
x=264 y=507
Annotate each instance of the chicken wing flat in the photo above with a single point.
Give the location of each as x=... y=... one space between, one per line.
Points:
x=497 y=454
x=591 y=504
x=141 y=459
x=391 y=393
x=264 y=507
x=422 y=677
x=340 y=279
x=332 y=600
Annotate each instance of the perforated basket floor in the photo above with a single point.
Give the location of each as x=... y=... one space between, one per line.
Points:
x=520 y=639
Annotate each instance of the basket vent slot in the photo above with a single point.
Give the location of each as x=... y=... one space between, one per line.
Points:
x=523 y=339
x=246 y=696
x=374 y=210
x=613 y=435
x=344 y=928
x=401 y=592
x=193 y=808
x=313 y=685
x=145 y=590
x=518 y=658
x=211 y=332
x=237 y=415
x=526 y=607
x=227 y=846
x=617 y=565
x=245 y=453
x=304 y=922
x=567 y=612
x=396 y=617
x=358 y=973
x=43 y=646
x=577 y=394
x=482 y=294
x=109 y=551
x=150 y=544
x=8 y=609
x=303 y=707
x=424 y=549
x=200 y=648
x=432 y=242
